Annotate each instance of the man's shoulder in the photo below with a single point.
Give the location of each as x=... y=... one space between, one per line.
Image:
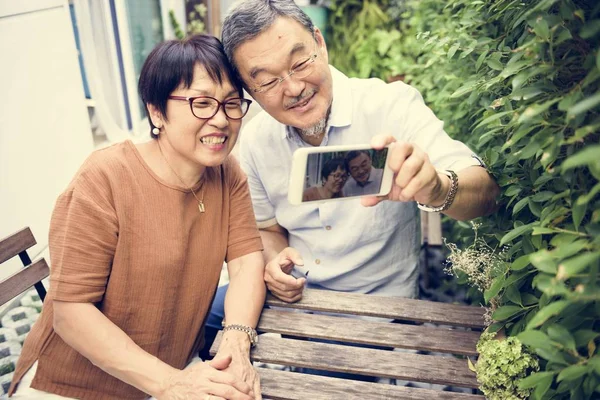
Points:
x=377 y=91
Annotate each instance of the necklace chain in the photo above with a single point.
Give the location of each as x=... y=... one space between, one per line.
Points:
x=200 y=201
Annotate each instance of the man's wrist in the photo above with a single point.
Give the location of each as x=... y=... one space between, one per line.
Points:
x=443 y=189
x=450 y=193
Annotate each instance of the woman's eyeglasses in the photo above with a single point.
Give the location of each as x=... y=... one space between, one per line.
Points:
x=206 y=107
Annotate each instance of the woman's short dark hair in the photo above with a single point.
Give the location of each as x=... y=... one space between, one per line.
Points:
x=171 y=63
x=331 y=166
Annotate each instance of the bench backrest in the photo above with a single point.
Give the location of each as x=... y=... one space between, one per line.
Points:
x=31 y=274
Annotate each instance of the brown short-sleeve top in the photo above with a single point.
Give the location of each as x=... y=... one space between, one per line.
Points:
x=138 y=248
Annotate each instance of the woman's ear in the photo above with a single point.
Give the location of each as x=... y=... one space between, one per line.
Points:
x=155 y=115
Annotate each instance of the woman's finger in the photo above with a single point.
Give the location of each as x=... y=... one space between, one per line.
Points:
x=257 y=391
x=228 y=392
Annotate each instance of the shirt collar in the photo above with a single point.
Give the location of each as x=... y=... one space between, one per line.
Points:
x=341 y=106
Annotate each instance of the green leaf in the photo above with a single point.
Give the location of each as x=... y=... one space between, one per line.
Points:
x=495 y=64
x=560 y=334
x=544 y=261
x=571 y=373
x=494 y=288
x=537 y=109
x=505 y=312
x=515 y=233
x=589 y=155
x=547 y=312
x=470 y=364
x=540 y=26
x=538 y=230
x=493 y=118
x=480 y=60
x=520 y=205
x=520 y=263
x=584 y=336
x=577 y=264
x=584 y=105
x=536 y=379
x=466 y=88
x=578 y=210
x=542 y=196
x=452 y=50
x=569 y=249
x=590 y=29
x=586 y=198
x=534 y=338
x=512 y=293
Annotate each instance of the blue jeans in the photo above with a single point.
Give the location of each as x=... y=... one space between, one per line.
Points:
x=213 y=325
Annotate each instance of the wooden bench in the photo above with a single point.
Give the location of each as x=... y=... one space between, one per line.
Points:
x=456 y=333
x=30 y=275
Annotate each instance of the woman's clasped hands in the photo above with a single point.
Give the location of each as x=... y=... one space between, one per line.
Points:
x=207 y=381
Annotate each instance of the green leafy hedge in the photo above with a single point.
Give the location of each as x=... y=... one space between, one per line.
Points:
x=519 y=82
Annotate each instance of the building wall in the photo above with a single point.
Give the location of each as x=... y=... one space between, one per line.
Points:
x=44 y=127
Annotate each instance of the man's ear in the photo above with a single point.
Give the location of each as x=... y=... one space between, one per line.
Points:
x=155 y=116
x=321 y=44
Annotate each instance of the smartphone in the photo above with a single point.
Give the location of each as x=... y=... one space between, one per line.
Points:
x=332 y=173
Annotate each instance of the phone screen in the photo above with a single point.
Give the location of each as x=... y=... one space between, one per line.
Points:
x=341 y=174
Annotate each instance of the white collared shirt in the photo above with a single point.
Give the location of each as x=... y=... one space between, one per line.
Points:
x=371 y=186
x=346 y=246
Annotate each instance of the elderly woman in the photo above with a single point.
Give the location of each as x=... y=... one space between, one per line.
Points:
x=333 y=178
x=137 y=242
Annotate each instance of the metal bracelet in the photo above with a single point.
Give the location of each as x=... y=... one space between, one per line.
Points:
x=449 y=197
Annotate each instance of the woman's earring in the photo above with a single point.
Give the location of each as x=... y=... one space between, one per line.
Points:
x=156 y=131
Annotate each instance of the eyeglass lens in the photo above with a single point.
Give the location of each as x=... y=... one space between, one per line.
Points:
x=207 y=108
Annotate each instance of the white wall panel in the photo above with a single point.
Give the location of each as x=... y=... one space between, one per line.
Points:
x=44 y=127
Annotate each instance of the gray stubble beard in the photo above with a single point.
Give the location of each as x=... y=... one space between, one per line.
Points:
x=318 y=129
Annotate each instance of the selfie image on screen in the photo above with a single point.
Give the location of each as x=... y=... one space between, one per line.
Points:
x=343 y=174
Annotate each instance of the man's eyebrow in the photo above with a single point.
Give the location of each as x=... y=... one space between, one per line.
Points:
x=298 y=47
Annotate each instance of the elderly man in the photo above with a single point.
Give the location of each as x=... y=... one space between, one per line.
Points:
x=347 y=246
x=365 y=179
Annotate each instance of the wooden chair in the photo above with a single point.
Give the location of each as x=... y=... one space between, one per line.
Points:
x=30 y=275
x=448 y=332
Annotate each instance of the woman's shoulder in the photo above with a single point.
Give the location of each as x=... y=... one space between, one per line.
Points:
x=104 y=165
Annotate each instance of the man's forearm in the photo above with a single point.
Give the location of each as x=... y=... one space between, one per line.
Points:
x=476 y=195
x=83 y=327
x=274 y=239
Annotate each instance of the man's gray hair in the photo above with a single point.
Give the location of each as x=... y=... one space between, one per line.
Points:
x=246 y=19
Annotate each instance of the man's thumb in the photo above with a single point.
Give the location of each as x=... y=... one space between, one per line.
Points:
x=291 y=254
x=220 y=363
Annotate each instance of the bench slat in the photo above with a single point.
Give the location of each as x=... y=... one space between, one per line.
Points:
x=387 y=307
x=283 y=385
x=12 y=245
x=22 y=280
x=380 y=363
x=369 y=332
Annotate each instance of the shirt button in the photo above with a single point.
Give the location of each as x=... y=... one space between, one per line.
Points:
x=328 y=227
x=317 y=261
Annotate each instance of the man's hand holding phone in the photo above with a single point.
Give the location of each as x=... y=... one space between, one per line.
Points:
x=279 y=279
x=415 y=177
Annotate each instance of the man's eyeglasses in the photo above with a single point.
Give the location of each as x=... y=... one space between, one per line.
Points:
x=206 y=107
x=301 y=69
